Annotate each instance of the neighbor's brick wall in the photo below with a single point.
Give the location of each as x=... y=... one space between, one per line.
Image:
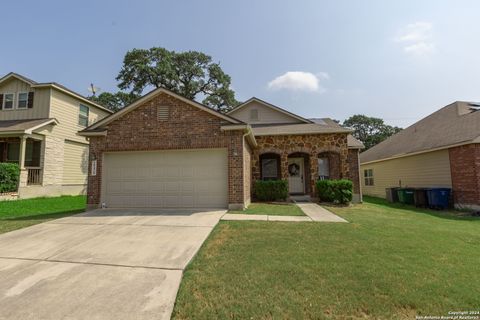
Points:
x=465 y=171
x=187 y=128
x=313 y=145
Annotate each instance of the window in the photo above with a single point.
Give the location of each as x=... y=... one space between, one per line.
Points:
x=269 y=169
x=83 y=116
x=22 y=102
x=254 y=114
x=368 y=175
x=8 y=99
x=32 y=153
x=323 y=168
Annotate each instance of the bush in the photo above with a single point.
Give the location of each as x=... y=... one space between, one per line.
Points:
x=271 y=190
x=336 y=191
x=9 y=176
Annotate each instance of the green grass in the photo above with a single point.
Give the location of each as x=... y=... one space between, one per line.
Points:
x=286 y=209
x=24 y=213
x=389 y=262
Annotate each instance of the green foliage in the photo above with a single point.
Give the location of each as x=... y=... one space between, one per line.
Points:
x=271 y=190
x=114 y=101
x=336 y=191
x=9 y=176
x=370 y=130
x=189 y=74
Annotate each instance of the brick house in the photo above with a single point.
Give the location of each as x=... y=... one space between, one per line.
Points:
x=441 y=150
x=168 y=151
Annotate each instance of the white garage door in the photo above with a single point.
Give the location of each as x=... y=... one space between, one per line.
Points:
x=166 y=179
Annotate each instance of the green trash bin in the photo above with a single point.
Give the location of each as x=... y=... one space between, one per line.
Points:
x=406 y=195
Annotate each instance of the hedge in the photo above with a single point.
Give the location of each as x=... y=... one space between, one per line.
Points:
x=271 y=190
x=9 y=176
x=336 y=191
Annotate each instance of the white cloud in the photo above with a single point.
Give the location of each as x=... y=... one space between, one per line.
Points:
x=416 y=38
x=299 y=81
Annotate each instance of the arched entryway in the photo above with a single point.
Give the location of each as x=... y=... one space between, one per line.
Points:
x=298 y=173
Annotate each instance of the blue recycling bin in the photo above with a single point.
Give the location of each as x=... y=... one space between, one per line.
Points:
x=438 y=198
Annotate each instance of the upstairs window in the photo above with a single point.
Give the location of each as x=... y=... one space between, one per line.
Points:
x=368 y=175
x=254 y=114
x=8 y=100
x=83 y=116
x=22 y=100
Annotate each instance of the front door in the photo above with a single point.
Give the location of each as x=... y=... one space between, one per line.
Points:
x=295 y=175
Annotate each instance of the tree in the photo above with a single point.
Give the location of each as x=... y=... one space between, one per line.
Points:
x=370 y=130
x=190 y=74
x=114 y=101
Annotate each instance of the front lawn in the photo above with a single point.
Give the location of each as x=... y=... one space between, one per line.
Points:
x=390 y=262
x=287 y=209
x=23 y=213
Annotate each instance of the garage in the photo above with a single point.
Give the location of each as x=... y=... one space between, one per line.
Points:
x=166 y=179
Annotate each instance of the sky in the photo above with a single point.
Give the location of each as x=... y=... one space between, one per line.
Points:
x=397 y=60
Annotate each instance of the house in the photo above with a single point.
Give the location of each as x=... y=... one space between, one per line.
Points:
x=164 y=150
x=39 y=124
x=441 y=150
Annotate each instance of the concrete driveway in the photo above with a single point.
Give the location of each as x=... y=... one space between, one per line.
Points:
x=103 y=264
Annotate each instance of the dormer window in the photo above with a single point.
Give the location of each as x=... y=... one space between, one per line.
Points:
x=254 y=114
x=22 y=100
x=8 y=100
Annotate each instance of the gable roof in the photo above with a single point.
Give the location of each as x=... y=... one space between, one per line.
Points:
x=271 y=106
x=456 y=124
x=53 y=85
x=94 y=127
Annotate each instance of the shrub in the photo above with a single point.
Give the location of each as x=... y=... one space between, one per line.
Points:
x=9 y=176
x=336 y=191
x=271 y=190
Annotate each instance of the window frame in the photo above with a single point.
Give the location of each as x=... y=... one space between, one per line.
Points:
x=5 y=100
x=368 y=177
x=18 y=101
x=82 y=116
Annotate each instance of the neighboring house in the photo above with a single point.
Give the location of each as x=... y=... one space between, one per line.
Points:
x=441 y=150
x=168 y=151
x=39 y=124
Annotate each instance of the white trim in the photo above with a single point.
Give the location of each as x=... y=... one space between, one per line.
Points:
x=18 y=101
x=476 y=140
x=152 y=94
x=271 y=106
x=50 y=121
x=5 y=100
x=92 y=134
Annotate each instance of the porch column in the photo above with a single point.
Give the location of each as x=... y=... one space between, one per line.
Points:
x=21 y=162
x=284 y=165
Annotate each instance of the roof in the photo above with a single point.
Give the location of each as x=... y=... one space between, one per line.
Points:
x=457 y=123
x=24 y=126
x=150 y=95
x=54 y=85
x=295 y=129
x=269 y=105
x=352 y=142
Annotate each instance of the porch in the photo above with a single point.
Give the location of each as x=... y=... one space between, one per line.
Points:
x=302 y=160
x=25 y=151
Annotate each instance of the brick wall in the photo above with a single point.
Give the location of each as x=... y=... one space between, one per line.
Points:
x=247 y=173
x=465 y=170
x=187 y=127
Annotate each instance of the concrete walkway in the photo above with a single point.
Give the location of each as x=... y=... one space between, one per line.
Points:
x=318 y=213
x=104 y=264
x=313 y=212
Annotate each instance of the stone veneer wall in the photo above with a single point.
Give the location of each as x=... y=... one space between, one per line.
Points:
x=313 y=145
x=465 y=172
x=354 y=174
x=187 y=127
